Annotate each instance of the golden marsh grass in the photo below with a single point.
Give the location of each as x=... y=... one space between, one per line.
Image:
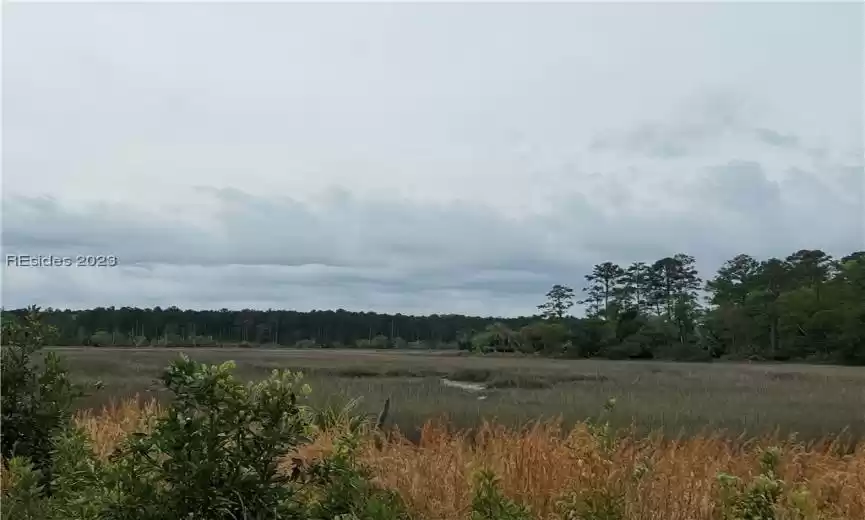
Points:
x=661 y=478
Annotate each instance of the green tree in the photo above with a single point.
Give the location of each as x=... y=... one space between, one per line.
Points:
x=734 y=281
x=673 y=286
x=847 y=291
x=729 y=325
x=605 y=284
x=811 y=268
x=559 y=300
x=635 y=286
x=773 y=279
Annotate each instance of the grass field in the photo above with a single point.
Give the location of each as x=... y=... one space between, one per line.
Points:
x=811 y=401
x=633 y=478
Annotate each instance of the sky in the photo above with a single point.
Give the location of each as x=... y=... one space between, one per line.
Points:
x=418 y=158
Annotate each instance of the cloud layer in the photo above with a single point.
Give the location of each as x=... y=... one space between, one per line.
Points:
x=401 y=255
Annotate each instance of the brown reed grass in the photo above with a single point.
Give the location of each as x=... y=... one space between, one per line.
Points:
x=660 y=478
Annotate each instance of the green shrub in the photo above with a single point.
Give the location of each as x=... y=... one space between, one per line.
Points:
x=380 y=342
x=601 y=429
x=215 y=454
x=82 y=484
x=36 y=402
x=23 y=492
x=489 y=503
x=757 y=500
x=101 y=338
x=598 y=504
x=333 y=416
x=51 y=473
x=202 y=341
x=347 y=491
x=544 y=336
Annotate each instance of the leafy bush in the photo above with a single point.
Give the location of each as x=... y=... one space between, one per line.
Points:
x=23 y=491
x=757 y=500
x=216 y=452
x=548 y=337
x=202 y=341
x=345 y=416
x=80 y=484
x=598 y=504
x=347 y=489
x=497 y=337
x=80 y=477
x=36 y=404
x=380 y=342
x=101 y=338
x=489 y=503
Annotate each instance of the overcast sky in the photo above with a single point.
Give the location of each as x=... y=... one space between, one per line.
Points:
x=418 y=158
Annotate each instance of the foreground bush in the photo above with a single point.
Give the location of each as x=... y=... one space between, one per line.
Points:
x=36 y=401
x=217 y=452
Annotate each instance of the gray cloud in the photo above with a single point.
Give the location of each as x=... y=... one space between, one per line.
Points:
x=701 y=127
x=705 y=119
x=742 y=187
x=775 y=138
x=354 y=253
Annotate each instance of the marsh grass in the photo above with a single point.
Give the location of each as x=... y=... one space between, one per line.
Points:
x=544 y=464
x=676 y=398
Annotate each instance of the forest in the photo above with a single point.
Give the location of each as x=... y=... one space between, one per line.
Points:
x=808 y=306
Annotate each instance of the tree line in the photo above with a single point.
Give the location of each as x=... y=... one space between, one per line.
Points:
x=807 y=306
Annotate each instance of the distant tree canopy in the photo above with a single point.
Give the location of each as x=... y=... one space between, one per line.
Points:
x=559 y=300
x=807 y=306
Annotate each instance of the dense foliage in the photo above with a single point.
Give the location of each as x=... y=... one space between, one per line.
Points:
x=36 y=401
x=806 y=306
